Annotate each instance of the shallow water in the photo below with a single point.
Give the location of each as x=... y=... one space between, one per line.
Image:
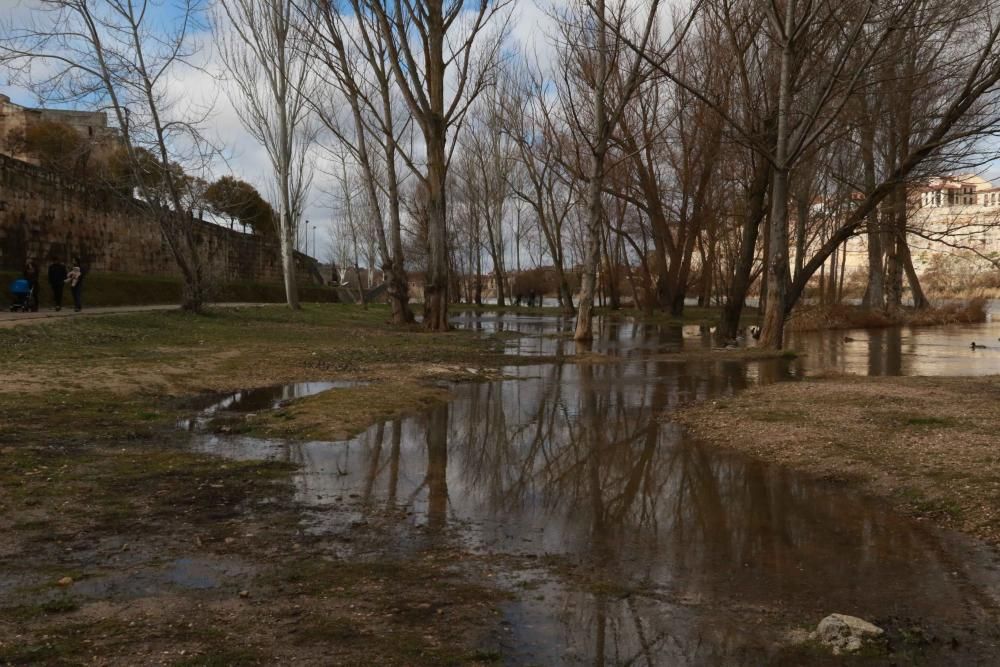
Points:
x=630 y=542
x=941 y=350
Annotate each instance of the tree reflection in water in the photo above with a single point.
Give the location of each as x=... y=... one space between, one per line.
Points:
x=643 y=546
x=655 y=548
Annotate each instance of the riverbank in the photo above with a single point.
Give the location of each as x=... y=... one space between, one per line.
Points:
x=927 y=445
x=842 y=316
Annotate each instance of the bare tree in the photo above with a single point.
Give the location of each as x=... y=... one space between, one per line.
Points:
x=267 y=61
x=487 y=159
x=600 y=76
x=353 y=60
x=117 y=54
x=442 y=58
x=539 y=179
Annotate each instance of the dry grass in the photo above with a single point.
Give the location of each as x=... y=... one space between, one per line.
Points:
x=170 y=352
x=929 y=445
x=96 y=484
x=815 y=318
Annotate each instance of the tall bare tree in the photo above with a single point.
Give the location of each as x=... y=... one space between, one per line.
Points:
x=352 y=59
x=267 y=61
x=443 y=54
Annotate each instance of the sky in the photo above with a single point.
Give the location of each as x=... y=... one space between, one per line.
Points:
x=244 y=156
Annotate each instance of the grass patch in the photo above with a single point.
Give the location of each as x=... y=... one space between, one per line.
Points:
x=931 y=421
x=176 y=352
x=47 y=652
x=813 y=318
x=930 y=506
x=339 y=414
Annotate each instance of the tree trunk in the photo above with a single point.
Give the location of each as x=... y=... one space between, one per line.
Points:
x=919 y=298
x=875 y=294
x=773 y=328
x=288 y=261
x=729 y=323
x=584 y=315
x=894 y=262
x=436 y=288
x=585 y=311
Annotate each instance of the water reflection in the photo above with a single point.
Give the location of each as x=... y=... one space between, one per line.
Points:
x=902 y=350
x=649 y=547
x=941 y=350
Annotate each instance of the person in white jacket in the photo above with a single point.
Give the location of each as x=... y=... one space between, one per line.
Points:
x=75 y=280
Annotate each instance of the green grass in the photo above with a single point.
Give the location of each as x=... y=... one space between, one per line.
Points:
x=930 y=421
x=122 y=289
x=329 y=333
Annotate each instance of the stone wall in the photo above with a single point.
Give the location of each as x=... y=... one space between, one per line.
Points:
x=43 y=216
x=92 y=126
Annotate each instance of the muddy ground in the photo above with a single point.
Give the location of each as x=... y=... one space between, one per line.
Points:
x=121 y=547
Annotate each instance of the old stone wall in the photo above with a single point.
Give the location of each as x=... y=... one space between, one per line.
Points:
x=43 y=216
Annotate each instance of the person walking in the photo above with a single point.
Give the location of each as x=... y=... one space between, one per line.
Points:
x=57 y=280
x=75 y=280
x=31 y=275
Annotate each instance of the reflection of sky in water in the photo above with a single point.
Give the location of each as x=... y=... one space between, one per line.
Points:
x=575 y=462
x=944 y=350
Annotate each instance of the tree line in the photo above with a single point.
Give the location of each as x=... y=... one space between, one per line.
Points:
x=714 y=148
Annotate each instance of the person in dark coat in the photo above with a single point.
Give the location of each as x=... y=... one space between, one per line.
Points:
x=31 y=275
x=57 y=279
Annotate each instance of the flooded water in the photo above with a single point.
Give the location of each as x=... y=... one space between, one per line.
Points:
x=904 y=350
x=625 y=541
x=943 y=350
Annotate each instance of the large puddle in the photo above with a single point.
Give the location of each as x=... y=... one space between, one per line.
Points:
x=625 y=541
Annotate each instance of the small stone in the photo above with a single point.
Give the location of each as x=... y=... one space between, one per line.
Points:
x=244 y=594
x=230 y=540
x=845 y=633
x=65 y=581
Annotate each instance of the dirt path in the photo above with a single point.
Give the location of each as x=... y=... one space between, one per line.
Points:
x=9 y=319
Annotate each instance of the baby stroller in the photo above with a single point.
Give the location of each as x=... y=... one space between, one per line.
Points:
x=23 y=294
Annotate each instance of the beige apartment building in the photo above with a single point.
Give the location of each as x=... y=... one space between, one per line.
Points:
x=956 y=215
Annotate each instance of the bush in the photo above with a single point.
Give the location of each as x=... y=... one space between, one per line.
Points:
x=814 y=318
x=120 y=289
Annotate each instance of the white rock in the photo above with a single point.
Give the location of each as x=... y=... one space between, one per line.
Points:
x=846 y=633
